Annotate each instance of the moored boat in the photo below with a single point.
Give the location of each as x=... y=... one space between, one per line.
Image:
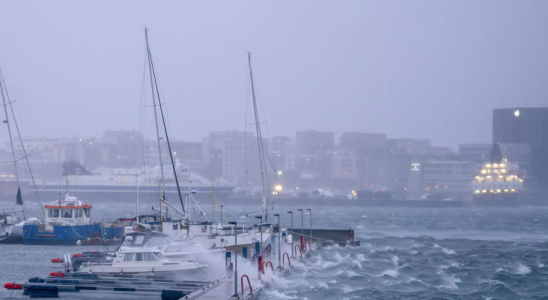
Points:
x=68 y=221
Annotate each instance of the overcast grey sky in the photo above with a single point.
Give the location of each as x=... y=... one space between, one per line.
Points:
x=420 y=69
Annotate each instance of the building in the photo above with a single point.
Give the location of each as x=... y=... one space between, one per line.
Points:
x=478 y=153
x=236 y=156
x=522 y=125
x=281 y=144
x=312 y=141
x=353 y=140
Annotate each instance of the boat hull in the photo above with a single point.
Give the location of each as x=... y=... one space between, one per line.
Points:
x=5 y=233
x=165 y=268
x=65 y=234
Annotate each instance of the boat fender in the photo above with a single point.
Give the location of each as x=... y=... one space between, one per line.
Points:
x=12 y=286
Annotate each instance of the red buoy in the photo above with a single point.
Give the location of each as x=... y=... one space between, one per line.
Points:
x=77 y=255
x=57 y=260
x=56 y=274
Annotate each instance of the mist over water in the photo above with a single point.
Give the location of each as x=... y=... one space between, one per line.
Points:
x=465 y=253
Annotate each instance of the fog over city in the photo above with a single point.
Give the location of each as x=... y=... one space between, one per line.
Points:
x=416 y=69
x=273 y=150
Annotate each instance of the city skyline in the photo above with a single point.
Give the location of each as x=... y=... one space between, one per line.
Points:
x=403 y=72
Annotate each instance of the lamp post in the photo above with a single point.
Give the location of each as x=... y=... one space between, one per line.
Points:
x=279 y=241
x=302 y=221
x=311 y=240
x=261 y=229
x=291 y=212
x=235 y=258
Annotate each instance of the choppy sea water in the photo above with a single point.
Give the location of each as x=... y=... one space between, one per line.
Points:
x=406 y=253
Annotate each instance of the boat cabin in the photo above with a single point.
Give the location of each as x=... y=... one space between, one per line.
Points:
x=67 y=211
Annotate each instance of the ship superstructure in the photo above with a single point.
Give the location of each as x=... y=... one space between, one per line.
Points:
x=497 y=179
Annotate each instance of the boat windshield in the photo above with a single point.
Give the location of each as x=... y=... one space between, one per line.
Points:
x=161 y=240
x=159 y=255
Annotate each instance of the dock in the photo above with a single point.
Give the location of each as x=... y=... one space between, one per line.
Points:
x=61 y=285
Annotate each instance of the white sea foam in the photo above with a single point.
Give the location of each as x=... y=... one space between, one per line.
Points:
x=523 y=269
x=360 y=257
x=391 y=273
x=365 y=216
x=356 y=263
x=413 y=279
x=323 y=286
x=333 y=281
x=450 y=283
x=275 y=294
x=445 y=250
x=359 y=227
x=541 y=266
x=351 y=274
x=346 y=289
x=395 y=260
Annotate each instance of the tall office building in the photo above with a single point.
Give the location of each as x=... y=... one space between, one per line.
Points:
x=525 y=126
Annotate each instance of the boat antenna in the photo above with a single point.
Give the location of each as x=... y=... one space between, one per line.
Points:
x=19 y=199
x=260 y=146
x=154 y=84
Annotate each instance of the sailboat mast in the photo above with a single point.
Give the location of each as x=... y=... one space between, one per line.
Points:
x=11 y=144
x=153 y=79
x=259 y=139
x=149 y=55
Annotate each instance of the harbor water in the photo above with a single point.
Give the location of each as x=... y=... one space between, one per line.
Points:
x=405 y=253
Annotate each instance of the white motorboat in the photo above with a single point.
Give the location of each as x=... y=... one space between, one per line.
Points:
x=171 y=249
x=133 y=260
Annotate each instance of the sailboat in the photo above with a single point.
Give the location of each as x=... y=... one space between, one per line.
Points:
x=11 y=223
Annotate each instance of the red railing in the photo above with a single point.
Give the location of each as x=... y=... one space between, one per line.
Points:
x=271 y=266
x=248 y=283
x=310 y=246
x=260 y=263
x=300 y=250
x=287 y=259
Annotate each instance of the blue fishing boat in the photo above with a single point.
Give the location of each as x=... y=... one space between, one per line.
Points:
x=68 y=222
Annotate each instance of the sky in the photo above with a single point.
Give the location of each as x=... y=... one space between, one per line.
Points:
x=418 y=69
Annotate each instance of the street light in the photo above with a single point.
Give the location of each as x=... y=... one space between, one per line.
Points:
x=292 y=230
x=279 y=241
x=302 y=222
x=311 y=240
x=235 y=258
x=261 y=229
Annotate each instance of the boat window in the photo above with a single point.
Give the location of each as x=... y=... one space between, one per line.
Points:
x=147 y=256
x=173 y=249
x=54 y=213
x=175 y=225
x=139 y=257
x=159 y=255
x=78 y=213
x=129 y=256
x=139 y=240
x=204 y=228
x=66 y=213
x=87 y=211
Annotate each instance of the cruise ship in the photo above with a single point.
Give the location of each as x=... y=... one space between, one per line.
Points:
x=123 y=184
x=498 y=181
